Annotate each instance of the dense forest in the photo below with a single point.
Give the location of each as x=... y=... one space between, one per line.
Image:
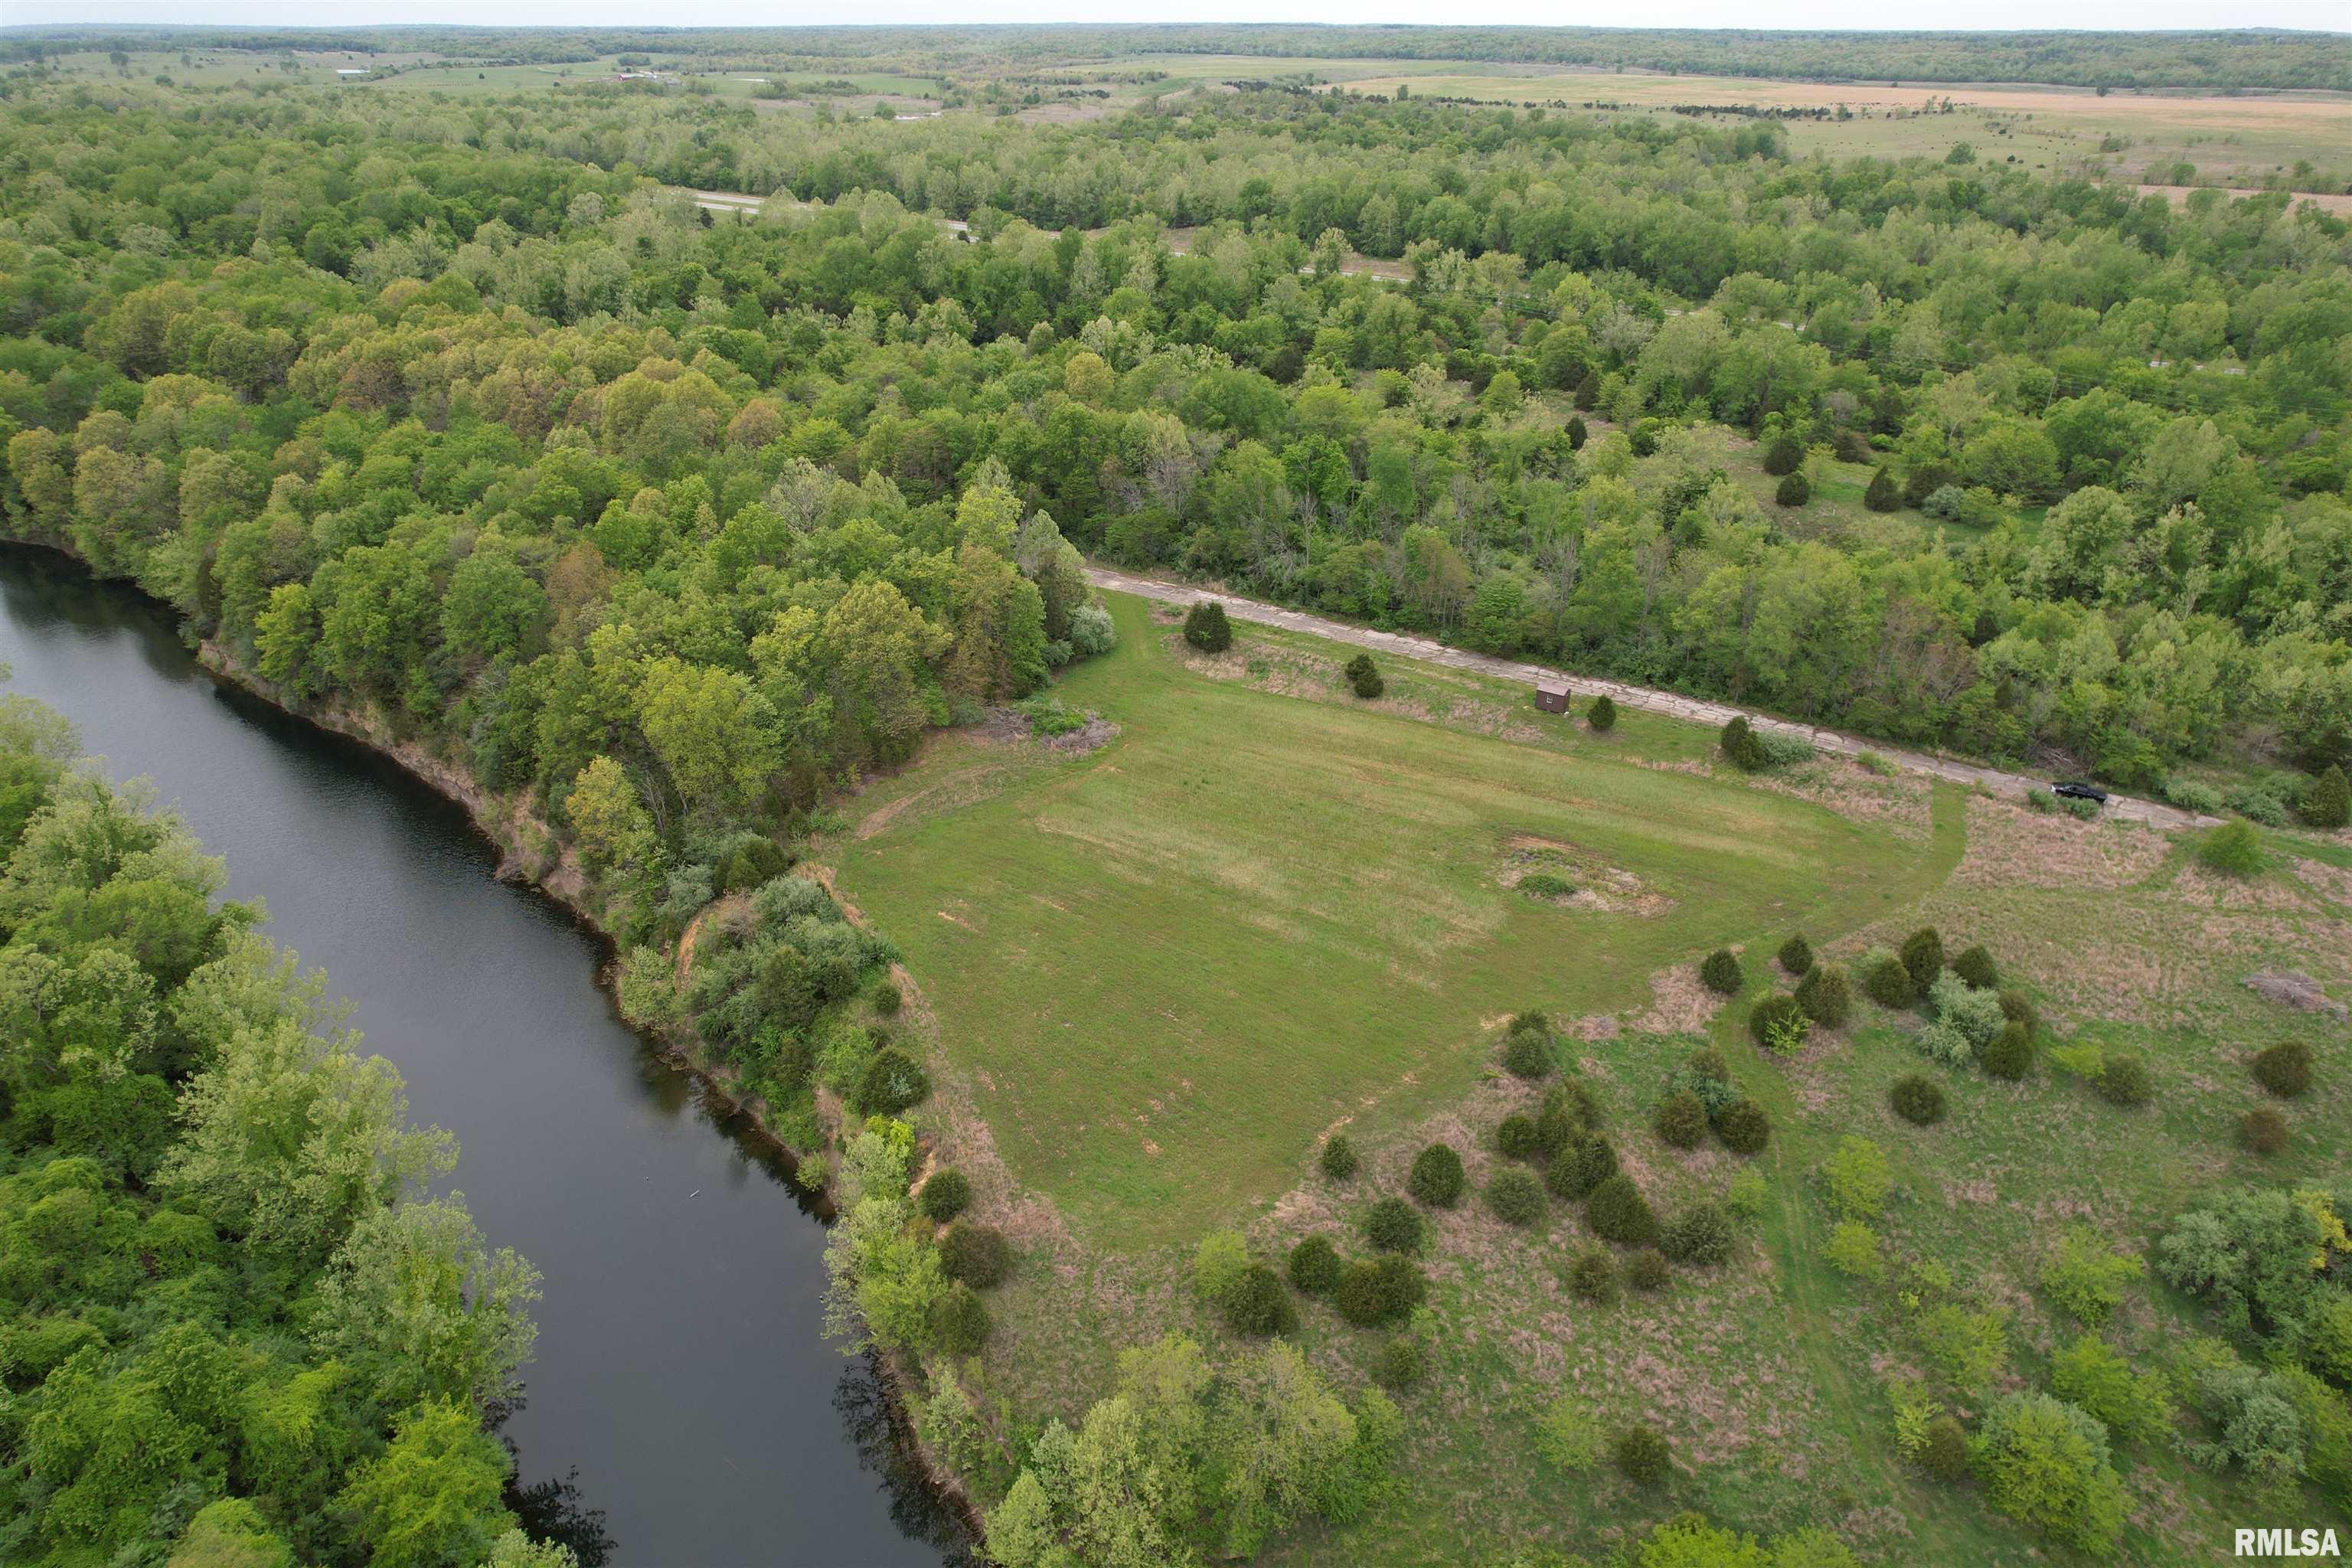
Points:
x=2260 y=58
x=233 y=1329
x=450 y=418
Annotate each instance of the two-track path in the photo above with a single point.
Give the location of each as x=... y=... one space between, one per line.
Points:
x=1647 y=698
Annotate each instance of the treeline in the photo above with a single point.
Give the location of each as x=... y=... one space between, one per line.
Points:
x=232 y=1328
x=2211 y=59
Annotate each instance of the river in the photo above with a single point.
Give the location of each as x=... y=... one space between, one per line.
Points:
x=682 y=1371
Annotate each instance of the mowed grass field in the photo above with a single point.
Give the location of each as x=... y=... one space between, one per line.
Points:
x=1169 y=965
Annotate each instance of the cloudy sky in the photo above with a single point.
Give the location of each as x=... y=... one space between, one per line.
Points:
x=2329 y=15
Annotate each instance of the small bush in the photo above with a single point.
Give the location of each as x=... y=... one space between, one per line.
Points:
x=1364 y=676
x=1516 y=1137
x=2010 y=1054
x=1583 y=1165
x=1528 y=1052
x=2264 y=1129
x=892 y=1081
x=1826 y=996
x=1945 y=1454
x=2326 y=800
x=1603 y=715
x=1738 y=743
x=1256 y=1305
x=1793 y=491
x=1646 y=1270
x=1400 y=1364
x=1918 y=1101
x=1681 y=1121
x=2019 y=1008
x=1569 y=1111
x=1777 y=1024
x=1975 y=965
x=2040 y=800
x=1780 y=748
x=2081 y=810
x=1516 y=1196
x=1887 y=982
x=2190 y=796
x=1643 y=1455
x=960 y=1321
x=947 y=1194
x=1719 y=972
x=1976 y=1014
x=1855 y=1178
x=888 y=999
x=2284 y=1069
x=1923 y=958
x=1617 y=1212
x=1743 y=1127
x=1796 y=956
x=1393 y=1224
x=1383 y=1289
x=1569 y=1438
x=1339 y=1157
x=1206 y=629
x=977 y=1255
x=1944 y=1043
x=1314 y=1265
x=1884 y=494
x=1748 y=1195
x=1437 y=1177
x=2124 y=1080
x=2086 y=1277
x=1853 y=1251
x=1546 y=885
x=1701 y=1234
x=2233 y=850
x=1782 y=457
x=1593 y=1277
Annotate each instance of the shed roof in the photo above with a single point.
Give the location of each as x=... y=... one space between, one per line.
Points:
x=1552 y=688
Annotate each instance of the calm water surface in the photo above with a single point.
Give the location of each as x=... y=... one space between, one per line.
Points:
x=681 y=1370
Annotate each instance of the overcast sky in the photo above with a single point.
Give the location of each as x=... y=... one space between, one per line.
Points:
x=2326 y=15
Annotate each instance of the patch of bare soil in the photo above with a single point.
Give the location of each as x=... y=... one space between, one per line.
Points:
x=2293 y=988
x=2012 y=847
x=1599 y=886
x=729 y=912
x=1010 y=726
x=1679 y=1005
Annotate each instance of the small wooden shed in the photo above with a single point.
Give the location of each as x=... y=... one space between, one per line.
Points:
x=1552 y=696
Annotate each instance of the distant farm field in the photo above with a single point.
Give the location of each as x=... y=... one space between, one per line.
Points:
x=1169 y=965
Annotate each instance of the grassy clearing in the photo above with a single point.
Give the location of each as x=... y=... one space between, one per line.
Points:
x=1170 y=964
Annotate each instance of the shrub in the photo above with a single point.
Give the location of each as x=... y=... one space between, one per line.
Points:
x=1885 y=982
x=2234 y=849
x=1976 y=1014
x=2261 y=803
x=1569 y=1111
x=1975 y=965
x=2086 y=1278
x=1593 y=1277
x=947 y=1194
x=1681 y=1121
x=960 y=1321
x=2135 y=1406
x=1923 y=958
x=1942 y=1042
x=2327 y=801
x=1701 y=1234
x=1257 y=1304
x=1603 y=715
x=1545 y=884
x=2263 y=1129
x=2188 y=794
x=1883 y=495
x=2284 y=1069
x=1780 y=748
x=1855 y=1178
x=2019 y=1008
x=1826 y=996
x=1516 y=1196
x=1739 y=747
x=1642 y=1455
x=2010 y=1054
x=1782 y=457
x=1581 y=1167
x=1400 y=1363
x=1528 y=1051
x=1853 y=1250
x=1568 y=1437
x=1747 y=1195
x=1339 y=1157
x=892 y=1081
x=1516 y=1137
x=1778 y=1025
x=1743 y=1127
x=1092 y=631
x=1364 y=676
x=887 y=998
x=1646 y=1270
x=2079 y=809
x=1617 y=1212
x=1918 y=1101
x=1314 y=1265
x=1796 y=956
x=1945 y=1454
x=2045 y=1463
x=2124 y=1080
x=1206 y=629
x=1719 y=972
x=1383 y=1289
x=1436 y=1178
x=1793 y=491
x=1393 y=1224
x=977 y=1255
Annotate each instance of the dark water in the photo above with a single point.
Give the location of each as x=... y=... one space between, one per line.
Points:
x=681 y=1368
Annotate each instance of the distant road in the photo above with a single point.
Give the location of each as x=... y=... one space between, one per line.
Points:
x=1647 y=698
